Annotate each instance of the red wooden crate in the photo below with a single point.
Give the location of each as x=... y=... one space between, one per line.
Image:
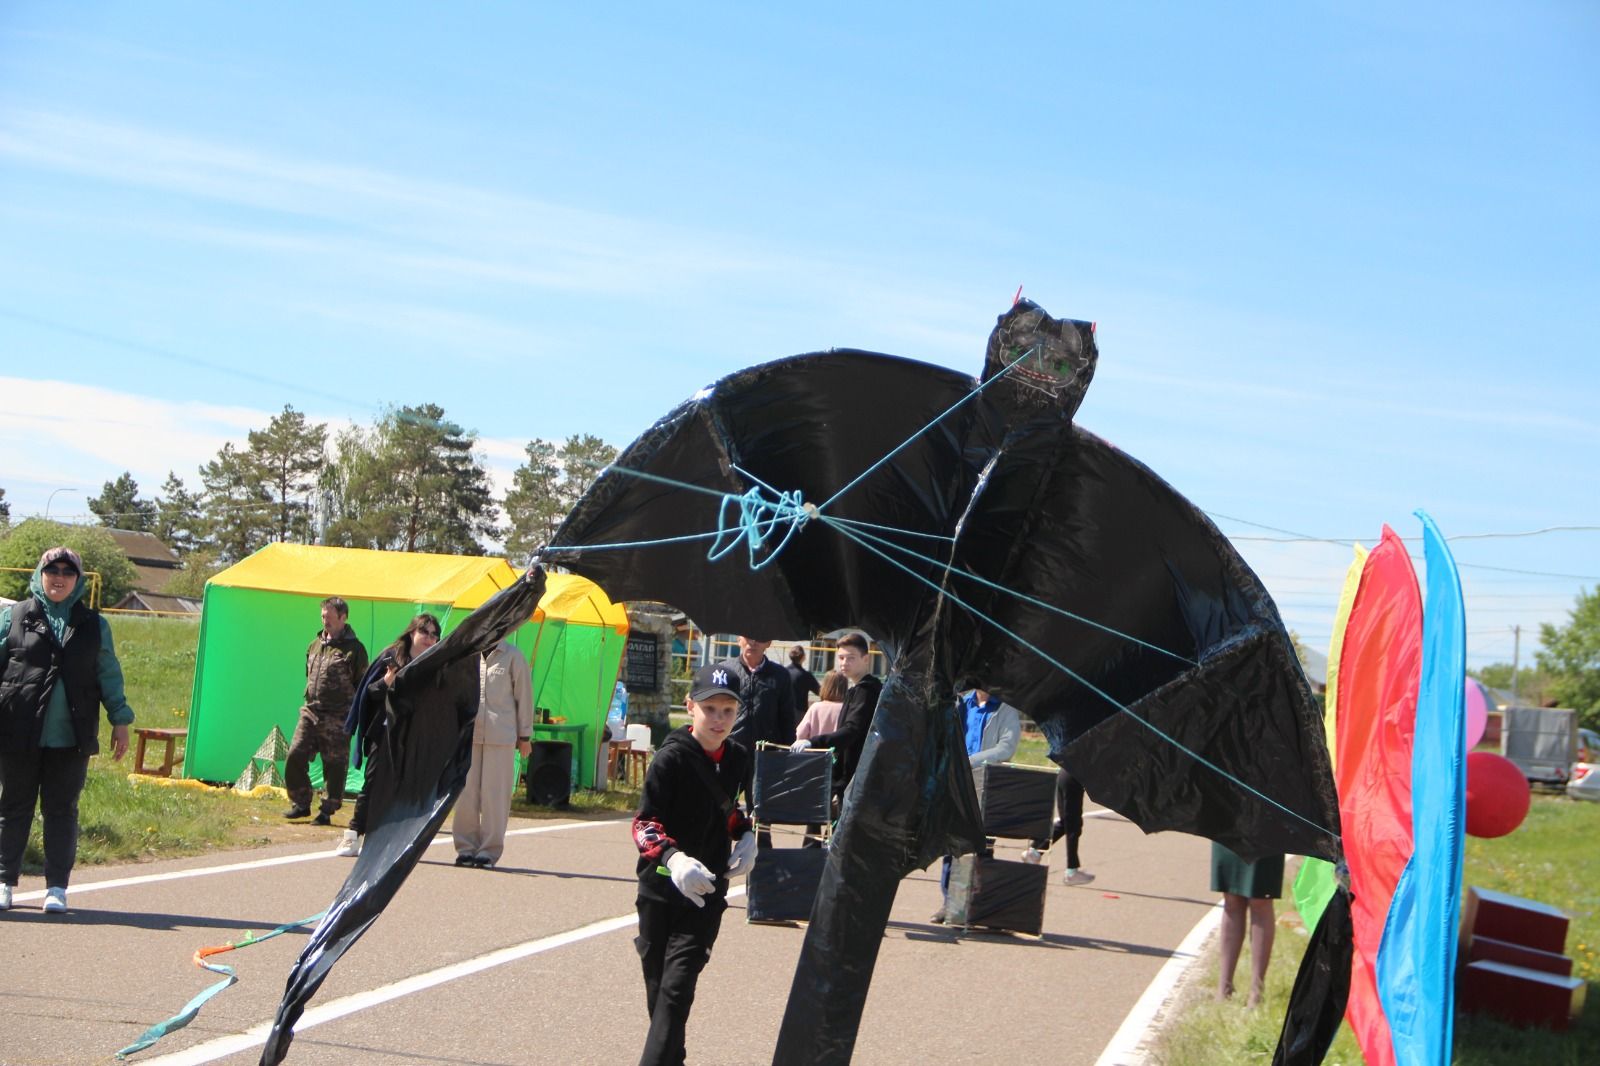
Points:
x=1521 y=996
x=1502 y=916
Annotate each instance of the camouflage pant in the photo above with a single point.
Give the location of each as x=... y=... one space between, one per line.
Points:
x=318 y=733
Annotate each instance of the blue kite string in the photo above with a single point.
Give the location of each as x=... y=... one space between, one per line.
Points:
x=1047 y=657
x=758 y=516
x=859 y=524
x=1052 y=608
x=936 y=420
x=192 y=1008
x=580 y=549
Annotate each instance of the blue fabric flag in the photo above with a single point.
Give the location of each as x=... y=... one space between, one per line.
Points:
x=1417 y=956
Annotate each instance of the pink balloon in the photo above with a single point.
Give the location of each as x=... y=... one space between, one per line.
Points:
x=1477 y=713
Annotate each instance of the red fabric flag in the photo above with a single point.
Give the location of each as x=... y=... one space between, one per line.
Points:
x=1380 y=666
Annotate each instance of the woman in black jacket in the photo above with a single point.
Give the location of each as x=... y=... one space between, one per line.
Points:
x=368 y=712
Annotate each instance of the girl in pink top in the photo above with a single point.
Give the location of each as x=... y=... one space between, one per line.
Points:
x=823 y=716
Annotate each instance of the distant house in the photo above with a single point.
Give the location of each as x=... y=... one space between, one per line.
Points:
x=156 y=564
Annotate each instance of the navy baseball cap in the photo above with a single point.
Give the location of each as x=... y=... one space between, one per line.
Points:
x=713 y=680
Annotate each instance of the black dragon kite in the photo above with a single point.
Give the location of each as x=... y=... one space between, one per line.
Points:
x=978 y=534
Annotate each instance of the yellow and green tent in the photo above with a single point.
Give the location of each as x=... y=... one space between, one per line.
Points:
x=259 y=615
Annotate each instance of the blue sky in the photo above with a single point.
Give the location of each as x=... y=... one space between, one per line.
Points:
x=1343 y=258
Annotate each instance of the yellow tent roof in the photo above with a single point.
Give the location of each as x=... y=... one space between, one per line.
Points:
x=577 y=599
x=413 y=577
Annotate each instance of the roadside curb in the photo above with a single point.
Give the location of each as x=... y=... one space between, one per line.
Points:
x=1131 y=1044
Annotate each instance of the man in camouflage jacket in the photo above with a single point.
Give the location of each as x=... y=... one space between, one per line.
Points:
x=335 y=664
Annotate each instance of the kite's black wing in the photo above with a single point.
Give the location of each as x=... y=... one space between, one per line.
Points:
x=412 y=782
x=808 y=424
x=1182 y=705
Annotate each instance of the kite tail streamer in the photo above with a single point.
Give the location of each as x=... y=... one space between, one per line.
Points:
x=230 y=978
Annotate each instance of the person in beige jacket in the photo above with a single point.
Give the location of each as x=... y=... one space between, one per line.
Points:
x=503 y=727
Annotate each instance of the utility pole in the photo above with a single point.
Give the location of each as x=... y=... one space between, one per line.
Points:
x=1516 y=653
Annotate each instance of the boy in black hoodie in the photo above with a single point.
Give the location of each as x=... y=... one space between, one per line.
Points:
x=691 y=837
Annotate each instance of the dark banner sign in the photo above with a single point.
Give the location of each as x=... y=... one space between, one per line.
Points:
x=639 y=663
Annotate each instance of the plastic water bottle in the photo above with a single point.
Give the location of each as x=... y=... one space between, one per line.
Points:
x=617 y=716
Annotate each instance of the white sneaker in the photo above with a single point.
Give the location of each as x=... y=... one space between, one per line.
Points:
x=1077 y=877
x=349 y=844
x=1032 y=855
x=5 y=897
x=55 y=900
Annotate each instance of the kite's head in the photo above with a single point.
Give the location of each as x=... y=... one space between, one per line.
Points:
x=1050 y=360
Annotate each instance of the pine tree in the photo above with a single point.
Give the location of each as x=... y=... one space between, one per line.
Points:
x=236 y=509
x=119 y=506
x=289 y=456
x=582 y=457
x=412 y=484
x=177 y=521
x=534 y=505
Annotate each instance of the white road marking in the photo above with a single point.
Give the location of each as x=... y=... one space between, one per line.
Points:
x=256 y=1035
x=1127 y=1046
x=281 y=860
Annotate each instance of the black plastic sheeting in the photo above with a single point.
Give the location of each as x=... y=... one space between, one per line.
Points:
x=997 y=894
x=413 y=780
x=794 y=787
x=1029 y=502
x=1018 y=802
x=782 y=885
x=1309 y=1025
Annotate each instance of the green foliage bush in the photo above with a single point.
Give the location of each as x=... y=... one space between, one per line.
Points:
x=22 y=545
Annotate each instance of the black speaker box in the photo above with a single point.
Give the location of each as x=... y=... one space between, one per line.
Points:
x=550 y=773
x=997 y=894
x=783 y=883
x=1018 y=802
x=793 y=787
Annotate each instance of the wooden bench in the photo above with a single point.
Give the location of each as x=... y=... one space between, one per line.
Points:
x=169 y=755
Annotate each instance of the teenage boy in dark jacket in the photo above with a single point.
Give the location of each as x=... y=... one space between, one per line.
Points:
x=691 y=837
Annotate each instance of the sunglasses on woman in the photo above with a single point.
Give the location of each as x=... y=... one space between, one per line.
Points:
x=60 y=571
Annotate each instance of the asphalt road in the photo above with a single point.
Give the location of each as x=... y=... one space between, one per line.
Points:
x=533 y=962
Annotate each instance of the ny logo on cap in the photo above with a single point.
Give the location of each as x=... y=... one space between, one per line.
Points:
x=719 y=677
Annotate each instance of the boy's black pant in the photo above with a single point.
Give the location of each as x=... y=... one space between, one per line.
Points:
x=674 y=943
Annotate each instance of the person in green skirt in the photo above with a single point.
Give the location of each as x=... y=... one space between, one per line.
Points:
x=1247 y=888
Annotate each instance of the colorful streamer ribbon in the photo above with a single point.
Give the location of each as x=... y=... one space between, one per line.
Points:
x=192 y=1008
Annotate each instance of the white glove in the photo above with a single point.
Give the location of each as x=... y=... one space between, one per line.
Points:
x=800 y=745
x=690 y=876
x=743 y=857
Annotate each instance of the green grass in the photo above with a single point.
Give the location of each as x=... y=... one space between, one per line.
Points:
x=1033 y=750
x=157 y=656
x=585 y=803
x=1551 y=858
